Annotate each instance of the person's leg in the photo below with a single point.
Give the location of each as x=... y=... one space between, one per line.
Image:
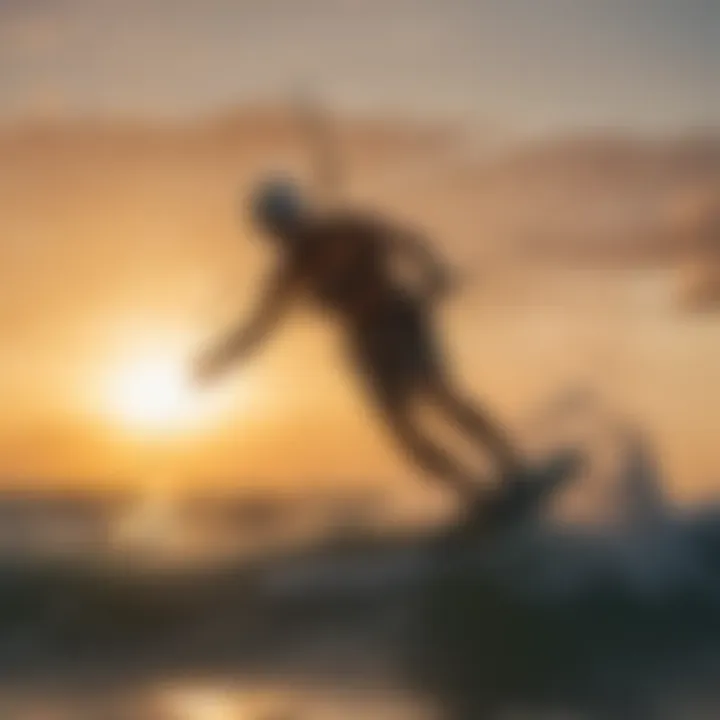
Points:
x=476 y=422
x=428 y=455
x=427 y=366
x=396 y=357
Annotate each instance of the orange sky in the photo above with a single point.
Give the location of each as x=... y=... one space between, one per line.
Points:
x=125 y=241
x=121 y=239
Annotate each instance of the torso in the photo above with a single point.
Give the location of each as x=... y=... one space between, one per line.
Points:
x=344 y=266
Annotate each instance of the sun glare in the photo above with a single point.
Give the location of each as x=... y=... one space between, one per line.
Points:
x=145 y=388
x=152 y=392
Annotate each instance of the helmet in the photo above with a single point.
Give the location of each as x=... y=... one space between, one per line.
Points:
x=277 y=205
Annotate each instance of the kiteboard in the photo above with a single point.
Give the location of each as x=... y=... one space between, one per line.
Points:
x=524 y=494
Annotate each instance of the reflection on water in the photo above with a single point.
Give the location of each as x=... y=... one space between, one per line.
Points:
x=193 y=701
x=205 y=703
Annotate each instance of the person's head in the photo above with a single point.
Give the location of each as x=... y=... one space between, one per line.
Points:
x=278 y=208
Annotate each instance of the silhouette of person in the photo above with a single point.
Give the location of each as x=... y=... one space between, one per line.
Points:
x=343 y=261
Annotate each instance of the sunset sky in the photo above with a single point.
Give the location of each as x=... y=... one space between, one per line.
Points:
x=531 y=63
x=121 y=247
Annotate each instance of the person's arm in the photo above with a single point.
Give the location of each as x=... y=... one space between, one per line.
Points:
x=437 y=278
x=245 y=338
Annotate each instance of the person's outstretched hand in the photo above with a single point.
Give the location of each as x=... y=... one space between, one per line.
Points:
x=207 y=367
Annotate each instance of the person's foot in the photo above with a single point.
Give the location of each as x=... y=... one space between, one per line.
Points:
x=525 y=490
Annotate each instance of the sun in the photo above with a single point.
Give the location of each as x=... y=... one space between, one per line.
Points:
x=147 y=389
x=152 y=392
